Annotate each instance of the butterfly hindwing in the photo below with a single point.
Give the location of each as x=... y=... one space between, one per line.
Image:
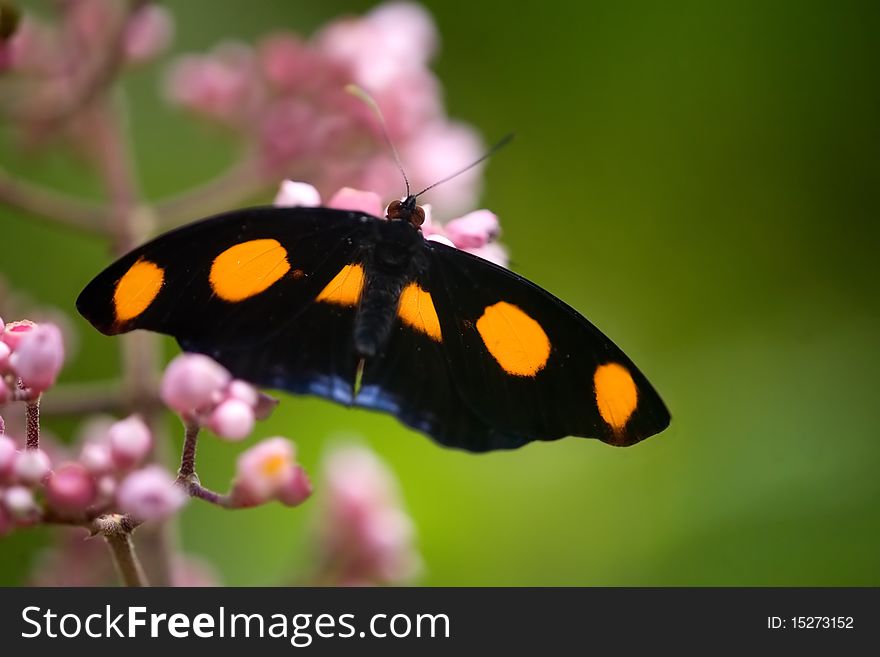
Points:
x=531 y=367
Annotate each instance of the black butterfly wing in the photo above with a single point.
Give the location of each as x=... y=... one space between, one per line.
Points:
x=237 y=278
x=526 y=366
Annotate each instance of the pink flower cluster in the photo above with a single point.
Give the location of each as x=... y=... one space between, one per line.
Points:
x=31 y=356
x=204 y=391
x=365 y=535
x=476 y=232
x=52 y=53
x=107 y=475
x=286 y=97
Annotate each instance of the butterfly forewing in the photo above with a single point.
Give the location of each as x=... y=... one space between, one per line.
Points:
x=234 y=278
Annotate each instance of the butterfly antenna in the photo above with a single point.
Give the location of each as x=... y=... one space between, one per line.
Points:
x=356 y=91
x=504 y=141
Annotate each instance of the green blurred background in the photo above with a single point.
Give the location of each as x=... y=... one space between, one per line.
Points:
x=700 y=180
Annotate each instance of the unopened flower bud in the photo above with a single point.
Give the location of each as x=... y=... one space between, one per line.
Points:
x=71 y=489
x=293 y=194
x=7 y=454
x=149 y=32
x=358 y=201
x=13 y=332
x=232 y=419
x=473 y=230
x=19 y=501
x=150 y=494
x=96 y=458
x=297 y=489
x=31 y=466
x=191 y=382
x=38 y=356
x=130 y=442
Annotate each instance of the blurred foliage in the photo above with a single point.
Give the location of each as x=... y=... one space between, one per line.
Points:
x=700 y=180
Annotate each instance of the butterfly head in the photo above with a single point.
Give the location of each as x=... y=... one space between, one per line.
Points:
x=406 y=210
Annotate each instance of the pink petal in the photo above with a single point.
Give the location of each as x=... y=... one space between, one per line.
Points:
x=493 y=252
x=38 y=357
x=473 y=230
x=292 y=194
x=71 y=488
x=233 y=419
x=357 y=200
x=192 y=382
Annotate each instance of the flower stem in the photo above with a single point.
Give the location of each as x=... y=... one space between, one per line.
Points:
x=238 y=183
x=49 y=205
x=190 y=442
x=33 y=423
x=125 y=558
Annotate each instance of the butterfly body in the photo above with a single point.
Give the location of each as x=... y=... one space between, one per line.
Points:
x=366 y=312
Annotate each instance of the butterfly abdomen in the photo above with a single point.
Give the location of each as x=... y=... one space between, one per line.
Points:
x=377 y=311
x=396 y=259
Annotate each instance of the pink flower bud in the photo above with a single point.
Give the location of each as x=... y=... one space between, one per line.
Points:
x=440 y=239
x=71 y=489
x=150 y=494
x=148 y=33
x=96 y=458
x=130 y=442
x=2 y=326
x=31 y=466
x=13 y=332
x=366 y=535
x=473 y=230
x=20 y=502
x=297 y=489
x=358 y=201
x=263 y=471
x=244 y=391
x=38 y=357
x=232 y=419
x=4 y=355
x=221 y=86
x=5 y=393
x=7 y=454
x=493 y=252
x=106 y=488
x=292 y=194
x=192 y=382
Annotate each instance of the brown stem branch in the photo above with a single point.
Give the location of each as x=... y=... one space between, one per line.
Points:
x=117 y=532
x=140 y=350
x=49 y=205
x=190 y=442
x=95 y=397
x=238 y=183
x=33 y=424
x=194 y=489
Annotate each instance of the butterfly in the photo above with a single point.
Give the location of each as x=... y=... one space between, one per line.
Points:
x=366 y=312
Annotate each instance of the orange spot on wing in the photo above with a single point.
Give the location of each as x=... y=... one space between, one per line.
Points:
x=616 y=394
x=246 y=269
x=137 y=289
x=515 y=340
x=417 y=310
x=345 y=288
